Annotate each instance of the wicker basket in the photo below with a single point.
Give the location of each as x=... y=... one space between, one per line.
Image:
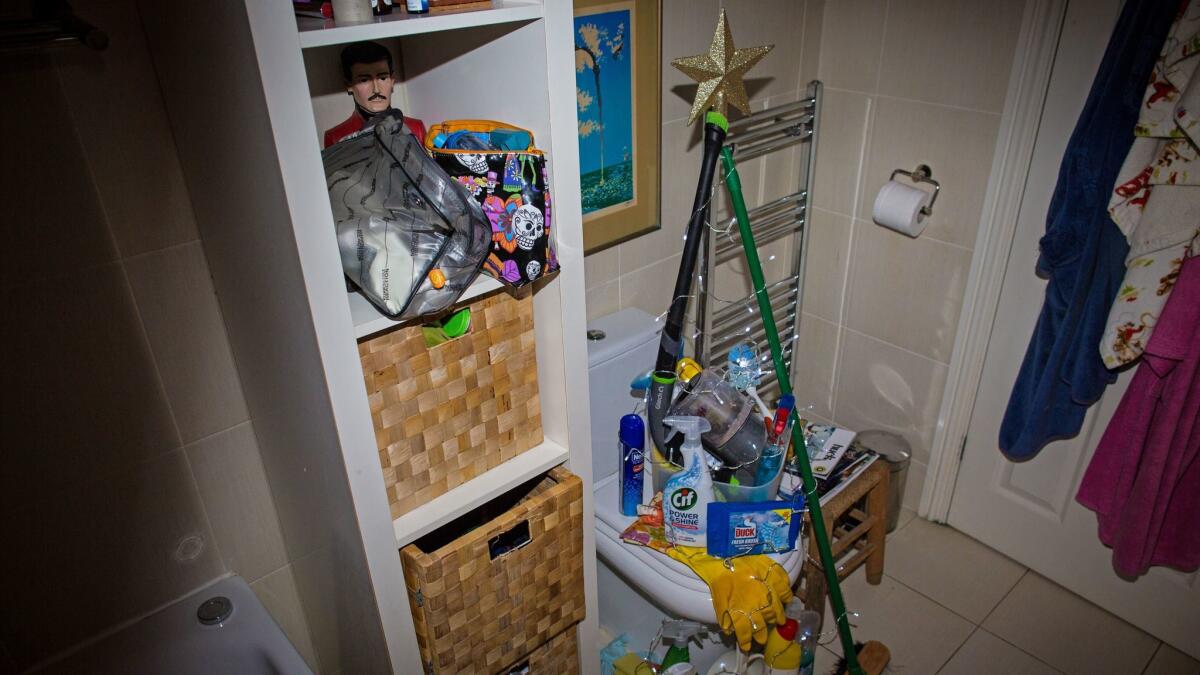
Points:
x=444 y=415
x=559 y=656
x=479 y=608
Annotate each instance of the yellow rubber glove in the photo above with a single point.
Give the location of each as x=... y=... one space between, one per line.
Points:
x=748 y=593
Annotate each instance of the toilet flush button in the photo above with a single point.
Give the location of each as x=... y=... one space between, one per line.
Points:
x=214 y=610
x=595 y=335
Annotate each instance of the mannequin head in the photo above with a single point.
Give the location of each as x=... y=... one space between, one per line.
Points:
x=367 y=70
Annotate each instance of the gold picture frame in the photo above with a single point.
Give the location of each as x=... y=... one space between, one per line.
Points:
x=617 y=62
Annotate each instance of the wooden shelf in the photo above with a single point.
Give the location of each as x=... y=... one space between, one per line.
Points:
x=368 y=320
x=497 y=481
x=320 y=33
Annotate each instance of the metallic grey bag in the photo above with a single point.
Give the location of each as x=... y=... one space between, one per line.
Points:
x=410 y=237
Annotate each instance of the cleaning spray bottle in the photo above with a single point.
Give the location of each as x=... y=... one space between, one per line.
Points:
x=678 y=634
x=687 y=494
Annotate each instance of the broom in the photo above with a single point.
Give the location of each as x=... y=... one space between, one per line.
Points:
x=873 y=656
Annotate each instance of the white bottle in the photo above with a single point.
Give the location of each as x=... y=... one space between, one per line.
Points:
x=687 y=494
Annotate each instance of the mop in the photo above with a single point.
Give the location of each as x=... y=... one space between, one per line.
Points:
x=873 y=656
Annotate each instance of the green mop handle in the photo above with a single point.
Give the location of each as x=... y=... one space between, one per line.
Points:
x=734 y=183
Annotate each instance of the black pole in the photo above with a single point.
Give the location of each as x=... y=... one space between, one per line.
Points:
x=662 y=384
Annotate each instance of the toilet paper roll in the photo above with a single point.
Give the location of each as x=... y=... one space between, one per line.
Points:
x=898 y=207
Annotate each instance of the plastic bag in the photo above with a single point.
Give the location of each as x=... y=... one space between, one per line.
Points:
x=411 y=239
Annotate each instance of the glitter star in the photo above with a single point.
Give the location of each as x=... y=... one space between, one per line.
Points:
x=720 y=72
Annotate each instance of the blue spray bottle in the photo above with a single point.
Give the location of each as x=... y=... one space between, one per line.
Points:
x=632 y=437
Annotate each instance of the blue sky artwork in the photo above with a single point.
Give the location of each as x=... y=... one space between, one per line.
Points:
x=609 y=137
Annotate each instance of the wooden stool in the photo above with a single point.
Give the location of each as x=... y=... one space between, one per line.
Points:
x=856 y=520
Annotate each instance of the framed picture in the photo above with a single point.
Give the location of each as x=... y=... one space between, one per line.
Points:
x=617 y=89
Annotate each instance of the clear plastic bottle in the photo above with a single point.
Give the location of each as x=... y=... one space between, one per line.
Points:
x=809 y=629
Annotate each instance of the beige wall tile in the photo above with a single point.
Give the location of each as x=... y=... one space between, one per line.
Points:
x=817 y=354
x=763 y=22
x=602 y=267
x=603 y=299
x=341 y=613
x=115 y=104
x=844 y=117
x=277 y=592
x=957 y=144
x=906 y=291
x=814 y=19
x=687 y=29
x=179 y=309
x=951 y=52
x=80 y=372
x=851 y=34
x=881 y=386
x=915 y=483
x=237 y=498
x=825 y=267
x=54 y=221
x=87 y=558
x=650 y=289
x=681 y=149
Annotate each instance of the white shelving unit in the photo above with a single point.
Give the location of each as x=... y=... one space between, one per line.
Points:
x=247 y=120
x=319 y=33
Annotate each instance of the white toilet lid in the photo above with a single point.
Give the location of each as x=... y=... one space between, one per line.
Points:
x=669 y=581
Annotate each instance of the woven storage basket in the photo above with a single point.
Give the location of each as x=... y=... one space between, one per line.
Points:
x=445 y=414
x=559 y=656
x=475 y=613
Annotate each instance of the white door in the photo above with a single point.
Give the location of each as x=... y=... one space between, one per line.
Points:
x=1028 y=511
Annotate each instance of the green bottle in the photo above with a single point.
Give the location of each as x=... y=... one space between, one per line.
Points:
x=676 y=654
x=677 y=634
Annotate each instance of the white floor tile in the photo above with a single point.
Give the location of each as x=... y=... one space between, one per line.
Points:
x=1170 y=661
x=950 y=568
x=906 y=517
x=1068 y=632
x=826 y=660
x=986 y=654
x=921 y=634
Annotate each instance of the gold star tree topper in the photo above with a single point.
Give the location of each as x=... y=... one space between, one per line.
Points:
x=720 y=72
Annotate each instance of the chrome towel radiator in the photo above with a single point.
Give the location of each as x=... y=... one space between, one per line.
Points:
x=722 y=321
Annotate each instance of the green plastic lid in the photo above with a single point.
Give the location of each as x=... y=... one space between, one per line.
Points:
x=458 y=323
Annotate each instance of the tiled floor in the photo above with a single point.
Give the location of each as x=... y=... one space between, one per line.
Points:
x=948 y=604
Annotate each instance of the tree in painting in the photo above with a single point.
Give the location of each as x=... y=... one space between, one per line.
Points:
x=603 y=72
x=591 y=50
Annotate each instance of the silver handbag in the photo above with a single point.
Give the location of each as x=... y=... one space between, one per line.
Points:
x=411 y=239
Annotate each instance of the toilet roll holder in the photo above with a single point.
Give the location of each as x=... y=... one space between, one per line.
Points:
x=921 y=174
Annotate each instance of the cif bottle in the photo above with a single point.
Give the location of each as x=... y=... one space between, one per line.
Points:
x=688 y=493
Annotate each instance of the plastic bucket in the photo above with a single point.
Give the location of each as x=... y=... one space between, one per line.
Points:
x=662 y=470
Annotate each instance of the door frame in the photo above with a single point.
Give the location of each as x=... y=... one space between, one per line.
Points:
x=1033 y=62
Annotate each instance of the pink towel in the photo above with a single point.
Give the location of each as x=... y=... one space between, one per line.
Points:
x=1144 y=480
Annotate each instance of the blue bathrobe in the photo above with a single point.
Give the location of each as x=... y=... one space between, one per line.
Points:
x=1083 y=251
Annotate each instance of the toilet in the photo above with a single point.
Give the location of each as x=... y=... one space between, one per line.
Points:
x=638 y=587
